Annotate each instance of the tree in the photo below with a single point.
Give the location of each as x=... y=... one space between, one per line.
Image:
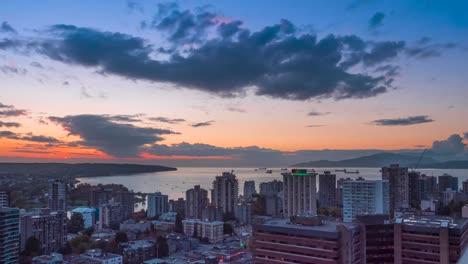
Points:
x=88 y=231
x=179 y=227
x=80 y=244
x=76 y=223
x=162 y=248
x=121 y=237
x=33 y=247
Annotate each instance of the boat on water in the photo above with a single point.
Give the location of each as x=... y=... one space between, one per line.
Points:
x=269 y=171
x=283 y=169
x=340 y=170
x=262 y=168
x=351 y=172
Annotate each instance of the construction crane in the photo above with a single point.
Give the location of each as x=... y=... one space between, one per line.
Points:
x=419 y=160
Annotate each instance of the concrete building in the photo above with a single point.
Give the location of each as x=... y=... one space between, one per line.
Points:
x=272 y=187
x=88 y=214
x=327 y=190
x=398 y=181
x=102 y=196
x=158 y=204
x=197 y=200
x=244 y=213
x=57 y=196
x=299 y=194
x=339 y=191
x=50 y=228
x=465 y=211
x=52 y=258
x=429 y=239
x=273 y=204
x=110 y=215
x=448 y=182
x=364 y=197
x=414 y=189
x=212 y=213
x=4 y=199
x=249 y=190
x=136 y=252
x=177 y=206
x=225 y=192
x=278 y=241
x=213 y=231
x=99 y=256
x=9 y=238
x=428 y=187
x=448 y=196
x=376 y=238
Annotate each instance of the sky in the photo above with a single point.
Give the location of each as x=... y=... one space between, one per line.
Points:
x=231 y=82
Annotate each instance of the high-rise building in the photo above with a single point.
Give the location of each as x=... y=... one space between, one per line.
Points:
x=299 y=193
x=158 y=204
x=339 y=191
x=414 y=189
x=103 y=196
x=429 y=239
x=57 y=196
x=110 y=215
x=177 y=206
x=398 y=181
x=225 y=192
x=4 y=199
x=249 y=189
x=289 y=241
x=364 y=197
x=327 y=190
x=271 y=187
x=376 y=238
x=197 y=200
x=212 y=213
x=465 y=187
x=428 y=187
x=244 y=213
x=9 y=236
x=448 y=182
x=50 y=228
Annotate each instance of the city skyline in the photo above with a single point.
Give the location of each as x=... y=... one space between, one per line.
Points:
x=179 y=82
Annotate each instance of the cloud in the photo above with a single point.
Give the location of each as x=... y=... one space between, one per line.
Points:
x=203 y=124
x=135 y=6
x=28 y=137
x=236 y=109
x=9 y=124
x=425 y=48
x=7 y=28
x=314 y=126
x=376 y=21
x=453 y=145
x=167 y=120
x=357 y=4
x=36 y=64
x=10 y=69
x=389 y=70
x=83 y=92
x=408 y=121
x=315 y=113
x=10 y=111
x=126 y=118
x=112 y=138
x=466 y=135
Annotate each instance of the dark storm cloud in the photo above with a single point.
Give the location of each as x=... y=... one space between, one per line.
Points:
x=7 y=28
x=9 y=124
x=227 y=30
x=28 y=137
x=389 y=70
x=203 y=124
x=274 y=61
x=376 y=20
x=453 y=145
x=167 y=120
x=412 y=120
x=115 y=139
x=315 y=113
x=126 y=118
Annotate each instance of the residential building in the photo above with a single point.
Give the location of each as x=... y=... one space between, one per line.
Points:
x=212 y=213
x=273 y=204
x=465 y=187
x=197 y=200
x=158 y=204
x=465 y=211
x=414 y=189
x=52 y=258
x=50 y=228
x=448 y=196
x=428 y=187
x=244 y=212
x=212 y=231
x=110 y=215
x=299 y=193
x=225 y=192
x=327 y=190
x=249 y=190
x=88 y=214
x=102 y=257
x=429 y=239
x=448 y=182
x=9 y=238
x=376 y=238
x=57 y=196
x=136 y=252
x=305 y=239
x=4 y=199
x=177 y=206
x=339 y=191
x=364 y=197
x=271 y=187
x=398 y=181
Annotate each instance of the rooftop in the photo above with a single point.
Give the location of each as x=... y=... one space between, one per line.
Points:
x=140 y=244
x=83 y=210
x=432 y=221
x=99 y=254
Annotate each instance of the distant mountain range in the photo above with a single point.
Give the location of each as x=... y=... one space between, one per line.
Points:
x=385 y=159
x=78 y=169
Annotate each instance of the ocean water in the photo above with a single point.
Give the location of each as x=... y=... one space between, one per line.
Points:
x=175 y=183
